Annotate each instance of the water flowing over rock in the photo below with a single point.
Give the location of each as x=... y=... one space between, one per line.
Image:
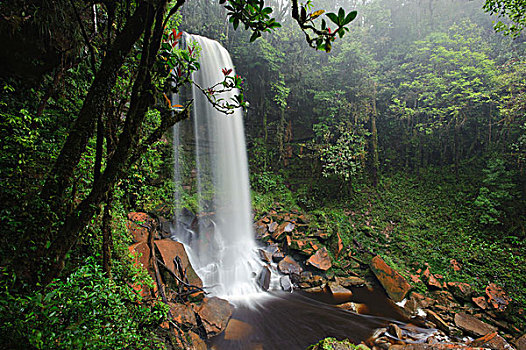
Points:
x=223 y=250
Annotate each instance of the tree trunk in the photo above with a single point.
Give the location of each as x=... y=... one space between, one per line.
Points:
x=374 y=140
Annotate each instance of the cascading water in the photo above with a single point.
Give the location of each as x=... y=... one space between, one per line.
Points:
x=223 y=251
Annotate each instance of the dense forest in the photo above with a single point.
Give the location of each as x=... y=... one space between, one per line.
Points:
x=396 y=127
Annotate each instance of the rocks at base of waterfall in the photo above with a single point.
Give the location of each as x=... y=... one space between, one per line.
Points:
x=320 y=260
x=307 y=280
x=265 y=255
x=438 y=321
x=277 y=256
x=237 y=330
x=214 y=313
x=289 y=266
x=263 y=278
x=497 y=297
x=169 y=250
x=286 y=284
x=444 y=298
x=461 y=291
x=521 y=342
x=394 y=284
x=350 y=281
x=473 y=325
x=339 y=292
x=183 y=315
x=431 y=280
x=492 y=341
x=196 y=343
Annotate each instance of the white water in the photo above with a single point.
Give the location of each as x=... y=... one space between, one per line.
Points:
x=223 y=253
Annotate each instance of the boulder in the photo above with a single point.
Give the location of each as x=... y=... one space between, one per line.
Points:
x=338 y=291
x=277 y=256
x=263 y=279
x=350 y=281
x=497 y=297
x=237 y=330
x=183 y=315
x=265 y=256
x=286 y=283
x=214 y=313
x=437 y=321
x=480 y=302
x=289 y=266
x=394 y=284
x=521 y=342
x=321 y=260
x=169 y=249
x=272 y=227
x=196 y=343
x=473 y=325
x=460 y=290
x=139 y=226
x=492 y=341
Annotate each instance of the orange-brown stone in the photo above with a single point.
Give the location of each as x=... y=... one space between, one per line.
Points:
x=139 y=226
x=497 y=297
x=321 y=259
x=480 y=302
x=394 y=284
x=169 y=249
x=237 y=330
x=214 y=313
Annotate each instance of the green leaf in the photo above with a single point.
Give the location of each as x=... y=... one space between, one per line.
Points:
x=341 y=14
x=333 y=18
x=254 y=36
x=350 y=17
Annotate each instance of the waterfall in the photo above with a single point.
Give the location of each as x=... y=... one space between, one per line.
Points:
x=223 y=249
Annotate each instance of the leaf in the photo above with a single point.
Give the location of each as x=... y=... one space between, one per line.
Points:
x=254 y=36
x=350 y=17
x=266 y=11
x=317 y=14
x=333 y=17
x=236 y=23
x=341 y=14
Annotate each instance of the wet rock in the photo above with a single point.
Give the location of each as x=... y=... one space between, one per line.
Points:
x=265 y=256
x=237 y=330
x=263 y=279
x=318 y=289
x=196 y=343
x=394 y=284
x=497 y=297
x=289 y=266
x=289 y=227
x=473 y=325
x=444 y=298
x=214 y=313
x=272 y=227
x=183 y=315
x=460 y=290
x=421 y=301
x=280 y=233
x=350 y=306
x=169 y=250
x=492 y=341
x=338 y=291
x=480 y=302
x=321 y=260
x=395 y=331
x=521 y=342
x=285 y=283
x=438 y=321
x=350 y=281
x=277 y=256
x=261 y=230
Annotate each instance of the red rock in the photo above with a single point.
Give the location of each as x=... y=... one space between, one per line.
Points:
x=415 y=279
x=139 y=226
x=289 y=266
x=183 y=315
x=196 y=343
x=237 y=330
x=394 y=284
x=350 y=281
x=497 y=297
x=340 y=245
x=460 y=290
x=321 y=260
x=473 y=325
x=141 y=254
x=214 y=313
x=426 y=273
x=432 y=282
x=480 y=302
x=455 y=265
x=493 y=341
x=445 y=298
x=169 y=249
